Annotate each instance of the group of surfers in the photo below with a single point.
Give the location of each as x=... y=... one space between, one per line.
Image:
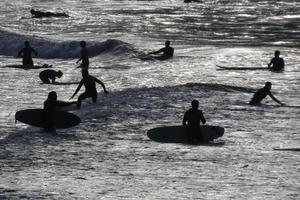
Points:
x=192 y=117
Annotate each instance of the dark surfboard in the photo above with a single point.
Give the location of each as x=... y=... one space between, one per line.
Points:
x=286 y=149
x=35 y=117
x=177 y=134
x=27 y=66
x=241 y=68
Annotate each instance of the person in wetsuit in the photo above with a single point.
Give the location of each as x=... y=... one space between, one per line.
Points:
x=277 y=63
x=40 y=14
x=50 y=74
x=167 y=51
x=89 y=83
x=191 y=121
x=25 y=53
x=84 y=56
x=50 y=106
x=260 y=94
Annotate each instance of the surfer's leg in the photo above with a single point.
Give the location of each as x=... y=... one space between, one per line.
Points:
x=81 y=97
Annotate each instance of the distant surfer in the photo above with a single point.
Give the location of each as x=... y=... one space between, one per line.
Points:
x=50 y=75
x=260 y=94
x=84 y=56
x=277 y=63
x=50 y=106
x=191 y=120
x=40 y=14
x=190 y=1
x=89 y=83
x=167 y=52
x=25 y=53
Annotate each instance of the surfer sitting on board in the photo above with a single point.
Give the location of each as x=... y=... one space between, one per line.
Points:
x=276 y=62
x=262 y=93
x=167 y=52
x=89 y=83
x=50 y=74
x=191 y=120
x=50 y=106
x=40 y=14
x=25 y=53
x=84 y=56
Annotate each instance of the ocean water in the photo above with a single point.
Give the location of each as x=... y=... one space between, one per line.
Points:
x=108 y=155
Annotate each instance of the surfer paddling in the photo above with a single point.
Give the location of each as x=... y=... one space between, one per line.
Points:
x=191 y=121
x=277 y=63
x=167 y=52
x=41 y=14
x=260 y=94
x=25 y=53
x=89 y=83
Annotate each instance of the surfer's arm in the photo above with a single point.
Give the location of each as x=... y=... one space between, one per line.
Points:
x=271 y=95
x=34 y=51
x=184 y=120
x=20 y=53
x=102 y=84
x=202 y=118
x=78 y=88
x=156 y=52
x=269 y=65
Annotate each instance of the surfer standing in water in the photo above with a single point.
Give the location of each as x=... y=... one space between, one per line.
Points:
x=167 y=51
x=84 y=56
x=277 y=63
x=89 y=83
x=260 y=94
x=191 y=121
x=25 y=53
x=50 y=106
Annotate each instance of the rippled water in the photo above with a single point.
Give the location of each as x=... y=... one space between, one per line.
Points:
x=108 y=155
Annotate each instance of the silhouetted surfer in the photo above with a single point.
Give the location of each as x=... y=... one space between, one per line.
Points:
x=50 y=74
x=89 y=83
x=189 y=1
x=40 y=14
x=84 y=56
x=277 y=63
x=25 y=53
x=262 y=93
x=50 y=106
x=191 y=120
x=167 y=52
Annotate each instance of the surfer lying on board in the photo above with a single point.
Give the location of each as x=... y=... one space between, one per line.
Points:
x=167 y=52
x=262 y=93
x=50 y=106
x=89 y=83
x=50 y=74
x=25 y=53
x=277 y=63
x=40 y=14
x=191 y=120
x=84 y=56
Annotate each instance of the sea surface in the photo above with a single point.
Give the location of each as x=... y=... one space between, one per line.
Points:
x=108 y=155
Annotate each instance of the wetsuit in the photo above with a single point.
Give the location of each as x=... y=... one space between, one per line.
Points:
x=278 y=63
x=48 y=75
x=193 y=118
x=26 y=55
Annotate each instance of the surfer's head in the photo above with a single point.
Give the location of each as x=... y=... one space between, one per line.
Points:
x=26 y=43
x=195 y=104
x=167 y=43
x=52 y=96
x=82 y=43
x=268 y=85
x=276 y=53
x=59 y=73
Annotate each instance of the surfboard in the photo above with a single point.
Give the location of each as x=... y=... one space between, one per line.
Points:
x=286 y=149
x=241 y=68
x=28 y=66
x=61 y=83
x=177 y=134
x=35 y=117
